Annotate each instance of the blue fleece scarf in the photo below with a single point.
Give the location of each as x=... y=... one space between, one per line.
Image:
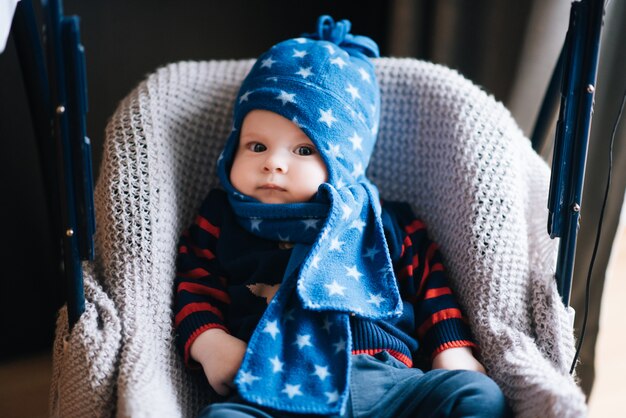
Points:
x=298 y=358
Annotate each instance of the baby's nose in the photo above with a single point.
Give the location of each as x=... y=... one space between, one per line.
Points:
x=275 y=164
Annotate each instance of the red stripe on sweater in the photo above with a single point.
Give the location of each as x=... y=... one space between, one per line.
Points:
x=436 y=267
x=437 y=317
x=452 y=344
x=425 y=274
x=207 y=226
x=430 y=253
x=407 y=243
x=416 y=225
x=183 y=249
x=192 y=308
x=199 y=289
x=196 y=273
x=433 y=293
x=192 y=338
x=406 y=271
x=396 y=354
x=203 y=252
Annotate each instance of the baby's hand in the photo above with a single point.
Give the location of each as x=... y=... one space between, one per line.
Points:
x=459 y=358
x=220 y=355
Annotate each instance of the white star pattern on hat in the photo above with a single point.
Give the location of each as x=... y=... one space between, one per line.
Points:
x=374 y=128
x=267 y=63
x=305 y=72
x=365 y=76
x=338 y=61
x=286 y=97
x=299 y=54
x=334 y=151
x=356 y=142
x=354 y=92
x=347 y=211
x=327 y=117
x=244 y=97
x=296 y=122
x=358 y=170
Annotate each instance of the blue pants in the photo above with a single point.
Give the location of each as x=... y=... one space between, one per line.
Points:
x=381 y=386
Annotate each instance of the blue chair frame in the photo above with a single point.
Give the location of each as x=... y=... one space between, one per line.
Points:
x=56 y=87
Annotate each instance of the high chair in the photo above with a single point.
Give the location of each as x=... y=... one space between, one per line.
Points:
x=445 y=146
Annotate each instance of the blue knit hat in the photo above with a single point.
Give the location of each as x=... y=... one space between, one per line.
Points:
x=325 y=83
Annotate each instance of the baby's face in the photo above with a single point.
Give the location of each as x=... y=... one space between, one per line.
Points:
x=275 y=161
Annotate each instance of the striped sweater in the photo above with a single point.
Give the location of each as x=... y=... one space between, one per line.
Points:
x=226 y=277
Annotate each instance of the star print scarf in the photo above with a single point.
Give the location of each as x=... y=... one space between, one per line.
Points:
x=298 y=358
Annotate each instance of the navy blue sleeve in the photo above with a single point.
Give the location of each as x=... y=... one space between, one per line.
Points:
x=201 y=298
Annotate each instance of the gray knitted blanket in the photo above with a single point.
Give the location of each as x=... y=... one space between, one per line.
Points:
x=445 y=146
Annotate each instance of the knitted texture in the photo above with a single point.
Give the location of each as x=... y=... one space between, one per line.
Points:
x=444 y=145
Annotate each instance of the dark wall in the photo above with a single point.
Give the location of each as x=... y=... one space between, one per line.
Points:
x=124 y=41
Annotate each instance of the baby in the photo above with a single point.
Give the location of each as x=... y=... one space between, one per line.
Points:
x=298 y=291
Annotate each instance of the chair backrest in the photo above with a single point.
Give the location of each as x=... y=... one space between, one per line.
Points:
x=445 y=146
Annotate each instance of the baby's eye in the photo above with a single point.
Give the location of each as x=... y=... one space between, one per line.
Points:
x=257 y=147
x=305 y=150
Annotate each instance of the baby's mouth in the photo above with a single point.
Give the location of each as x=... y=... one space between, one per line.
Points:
x=271 y=186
